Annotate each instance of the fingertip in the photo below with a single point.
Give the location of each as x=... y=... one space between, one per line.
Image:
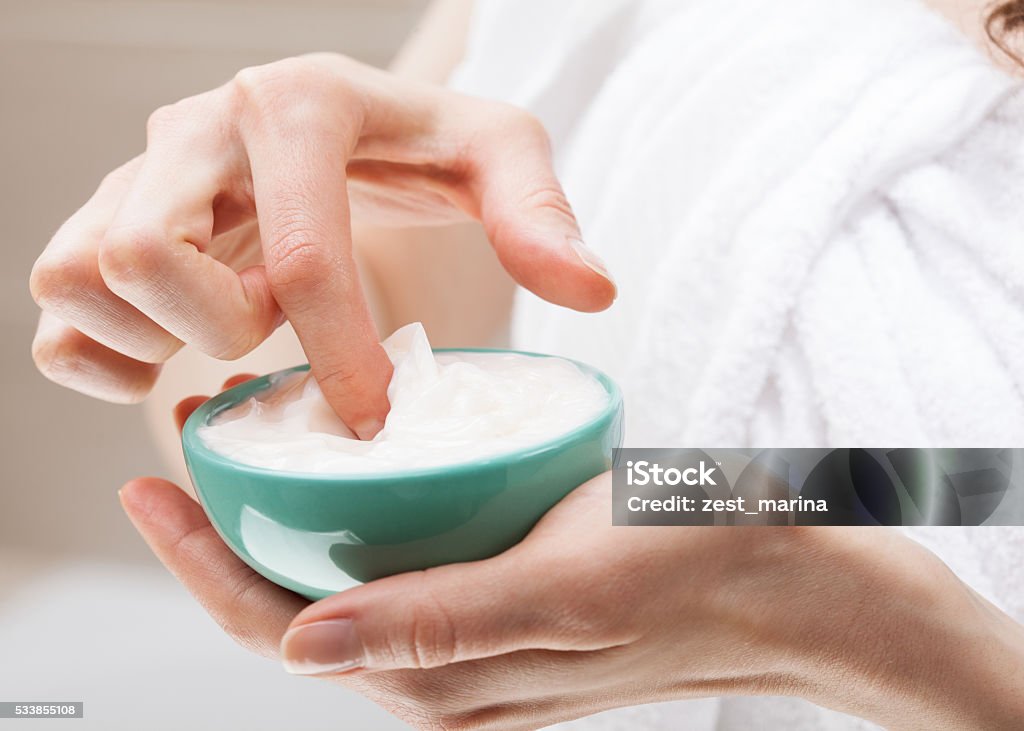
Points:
x=596 y=296
x=137 y=496
x=160 y=510
x=237 y=380
x=372 y=404
x=560 y=270
x=368 y=428
x=184 y=408
x=534 y=231
x=127 y=492
x=604 y=290
x=360 y=397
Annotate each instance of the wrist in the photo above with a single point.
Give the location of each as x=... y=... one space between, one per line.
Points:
x=958 y=664
x=911 y=646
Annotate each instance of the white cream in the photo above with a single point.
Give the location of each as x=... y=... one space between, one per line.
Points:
x=445 y=409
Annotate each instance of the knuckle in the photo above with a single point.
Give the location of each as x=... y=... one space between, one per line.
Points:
x=296 y=93
x=297 y=257
x=549 y=197
x=508 y=124
x=58 y=357
x=432 y=640
x=248 y=83
x=189 y=121
x=130 y=253
x=66 y=357
x=57 y=279
x=261 y=84
x=242 y=342
x=303 y=115
x=163 y=118
x=528 y=125
x=117 y=177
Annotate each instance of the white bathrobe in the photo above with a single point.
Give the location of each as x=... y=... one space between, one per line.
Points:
x=814 y=212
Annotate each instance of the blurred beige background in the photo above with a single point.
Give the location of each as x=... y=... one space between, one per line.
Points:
x=86 y=613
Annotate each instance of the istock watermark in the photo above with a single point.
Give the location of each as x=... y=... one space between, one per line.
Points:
x=897 y=486
x=643 y=472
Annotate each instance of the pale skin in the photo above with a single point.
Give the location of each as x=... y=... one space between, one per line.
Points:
x=253 y=204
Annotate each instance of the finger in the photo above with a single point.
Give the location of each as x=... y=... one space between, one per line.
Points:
x=254 y=611
x=153 y=254
x=68 y=357
x=529 y=221
x=66 y=279
x=476 y=688
x=505 y=178
x=437 y=617
x=298 y=170
x=184 y=408
x=236 y=380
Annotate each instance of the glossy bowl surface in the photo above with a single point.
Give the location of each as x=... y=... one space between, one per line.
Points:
x=317 y=534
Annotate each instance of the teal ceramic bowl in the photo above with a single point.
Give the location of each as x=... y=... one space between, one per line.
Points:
x=318 y=534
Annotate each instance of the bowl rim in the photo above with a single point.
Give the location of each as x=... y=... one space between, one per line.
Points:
x=194 y=446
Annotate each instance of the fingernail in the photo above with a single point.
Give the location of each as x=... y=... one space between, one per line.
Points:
x=322 y=648
x=368 y=429
x=588 y=257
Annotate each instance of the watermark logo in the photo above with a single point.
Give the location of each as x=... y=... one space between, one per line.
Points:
x=877 y=486
x=642 y=472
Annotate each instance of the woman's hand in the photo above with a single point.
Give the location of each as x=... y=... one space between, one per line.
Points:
x=238 y=216
x=583 y=616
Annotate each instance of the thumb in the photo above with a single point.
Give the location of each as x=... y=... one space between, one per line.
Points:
x=428 y=619
x=530 y=223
